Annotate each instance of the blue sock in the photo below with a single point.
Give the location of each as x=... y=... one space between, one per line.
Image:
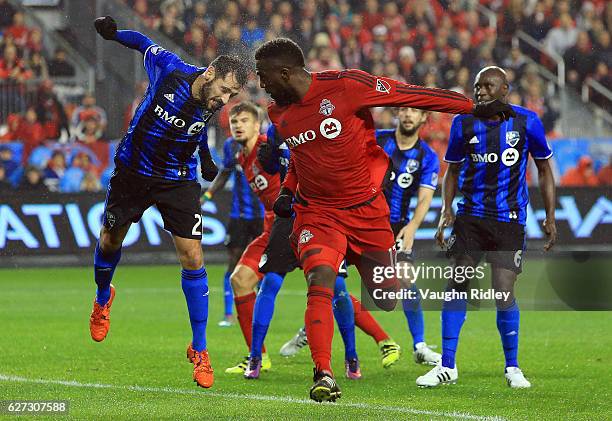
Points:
x=453 y=316
x=414 y=315
x=228 y=294
x=264 y=309
x=195 y=288
x=508 y=327
x=104 y=268
x=344 y=313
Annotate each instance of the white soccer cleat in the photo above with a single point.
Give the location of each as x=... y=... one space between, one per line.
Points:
x=516 y=379
x=424 y=355
x=437 y=376
x=296 y=343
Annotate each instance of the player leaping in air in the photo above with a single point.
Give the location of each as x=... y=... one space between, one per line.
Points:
x=335 y=175
x=487 y=163
x=155 y=165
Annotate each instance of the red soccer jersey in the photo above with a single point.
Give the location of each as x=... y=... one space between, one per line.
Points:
x=265 y=186
x=331 y=132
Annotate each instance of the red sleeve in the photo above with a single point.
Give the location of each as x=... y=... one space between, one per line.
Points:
x=290 y=180
x=370 y=91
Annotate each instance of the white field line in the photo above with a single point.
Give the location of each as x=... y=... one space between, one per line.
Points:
x=264 y=398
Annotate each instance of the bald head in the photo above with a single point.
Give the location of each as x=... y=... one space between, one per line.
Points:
x=491 y=83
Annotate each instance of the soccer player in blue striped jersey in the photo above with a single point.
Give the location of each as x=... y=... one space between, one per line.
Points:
x=246 y=218
x=414 y=173
x=487 y=164
x=155 y=165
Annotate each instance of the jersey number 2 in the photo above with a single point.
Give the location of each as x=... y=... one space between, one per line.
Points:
x=196 y=228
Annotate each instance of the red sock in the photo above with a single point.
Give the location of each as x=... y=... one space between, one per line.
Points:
x=366 y=322
x=244 y=310
x=319 y=321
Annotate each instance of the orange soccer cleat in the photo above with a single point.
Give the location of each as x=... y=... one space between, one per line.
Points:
x=202 y=371
x=99 y=321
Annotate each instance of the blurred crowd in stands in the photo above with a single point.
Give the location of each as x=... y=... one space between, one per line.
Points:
x=436 y=43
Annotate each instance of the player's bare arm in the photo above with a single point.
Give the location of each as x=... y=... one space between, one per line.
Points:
x=547 y=190
x=406 y=234
x=449 y=190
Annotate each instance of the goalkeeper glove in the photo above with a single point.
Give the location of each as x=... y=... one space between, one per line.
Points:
x=493 y=108
x=283 y=204
x=106 y=27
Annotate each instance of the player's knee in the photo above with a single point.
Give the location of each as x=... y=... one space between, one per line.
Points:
x=191 y=258
x=240 y=284
x=323 y=276
x=108 y=242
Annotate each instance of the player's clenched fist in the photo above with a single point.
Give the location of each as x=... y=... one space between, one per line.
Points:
x=446 y=220
x=495 y=108
x=106 y=27
x=283 y=204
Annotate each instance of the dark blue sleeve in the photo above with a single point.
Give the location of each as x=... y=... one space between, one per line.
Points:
x=272 y=164
x=134 y=40
x=380 y=138
x=455 y=152
x=536 y=138
x=431 y=168
x=229 y=160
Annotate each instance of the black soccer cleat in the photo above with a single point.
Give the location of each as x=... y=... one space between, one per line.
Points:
x=324 y=388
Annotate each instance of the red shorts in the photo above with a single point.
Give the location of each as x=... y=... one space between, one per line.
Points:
x=251 y=255
x=323 y=236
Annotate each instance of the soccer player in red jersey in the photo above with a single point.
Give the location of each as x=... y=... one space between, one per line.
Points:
x=335 y=177
x=245 y=125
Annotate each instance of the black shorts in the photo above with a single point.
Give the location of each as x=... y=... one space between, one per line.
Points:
x=129 y=194
x=401 y=255
x=240 y=232
x=278 y=256
x=502 y=243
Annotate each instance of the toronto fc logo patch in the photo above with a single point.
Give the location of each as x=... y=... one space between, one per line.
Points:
x=326 y=108
x=305 y=236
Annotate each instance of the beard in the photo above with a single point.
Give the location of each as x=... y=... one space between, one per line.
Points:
x=205 y=95
x=408 y=132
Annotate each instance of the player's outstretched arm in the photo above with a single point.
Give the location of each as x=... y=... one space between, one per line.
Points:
x=449 y=190
x=370 y=91
x=546 y=182
x=107 y=28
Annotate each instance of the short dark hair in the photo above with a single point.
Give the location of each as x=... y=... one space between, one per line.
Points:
x=282 y=49
x=224 y=65
x=246 y=107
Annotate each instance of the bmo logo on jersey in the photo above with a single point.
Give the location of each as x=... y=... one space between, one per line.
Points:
x=330 y=128
x=179 y=123
x=404 y=180
x=509 y=157
x=303 y=137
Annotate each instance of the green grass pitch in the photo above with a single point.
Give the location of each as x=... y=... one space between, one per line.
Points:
x=140 y=370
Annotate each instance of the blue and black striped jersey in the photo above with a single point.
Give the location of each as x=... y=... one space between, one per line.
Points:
x=169 y=124
x=494 y=156
x=412 y=168
x=245 y=203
